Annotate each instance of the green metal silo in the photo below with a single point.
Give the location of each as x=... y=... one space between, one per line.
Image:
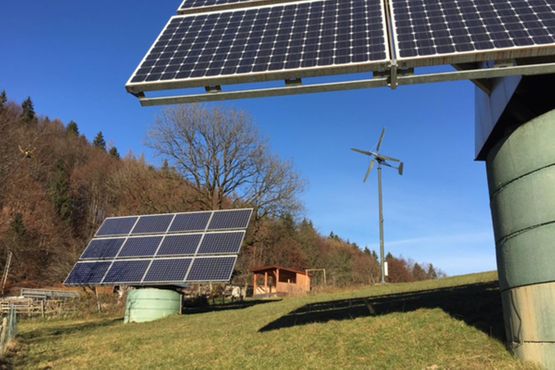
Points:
x=521 y=177
x=149 y=304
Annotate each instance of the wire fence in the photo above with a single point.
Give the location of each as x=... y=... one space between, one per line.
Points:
x=8 y=330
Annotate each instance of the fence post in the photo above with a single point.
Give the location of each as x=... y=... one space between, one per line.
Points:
x=3 y=335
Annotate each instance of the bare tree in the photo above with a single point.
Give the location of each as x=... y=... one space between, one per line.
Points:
x=222 y=155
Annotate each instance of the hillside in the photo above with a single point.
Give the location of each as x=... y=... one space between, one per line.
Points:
x=57 y=187
x=446 y=323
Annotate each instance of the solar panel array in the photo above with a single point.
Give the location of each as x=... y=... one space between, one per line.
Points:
x=471 y=29
x=212 y=45
x=297 y=39
x=163 y=249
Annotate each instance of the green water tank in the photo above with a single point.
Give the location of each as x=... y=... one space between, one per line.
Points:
x=149 y=304
x=521 y=176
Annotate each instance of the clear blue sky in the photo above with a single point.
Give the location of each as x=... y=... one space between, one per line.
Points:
x=74 y=57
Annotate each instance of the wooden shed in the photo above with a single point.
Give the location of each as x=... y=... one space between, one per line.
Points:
x=279 y=281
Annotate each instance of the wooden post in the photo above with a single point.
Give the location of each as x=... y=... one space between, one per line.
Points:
x=266 y=280
x=277 y=277
x=253 y=284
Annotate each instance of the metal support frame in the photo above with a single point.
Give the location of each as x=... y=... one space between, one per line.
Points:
x=390 y=77
x=382 y=248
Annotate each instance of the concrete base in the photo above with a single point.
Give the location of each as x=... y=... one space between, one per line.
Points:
x=521 y=178
x=149 y=304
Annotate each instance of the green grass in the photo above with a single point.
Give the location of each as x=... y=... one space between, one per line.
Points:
x=447 y=333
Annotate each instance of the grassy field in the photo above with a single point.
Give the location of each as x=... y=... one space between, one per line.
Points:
x=449 y=323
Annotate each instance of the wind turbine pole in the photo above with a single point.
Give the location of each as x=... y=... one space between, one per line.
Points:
x=382 y=260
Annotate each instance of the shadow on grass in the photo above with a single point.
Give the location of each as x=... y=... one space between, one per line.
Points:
x=50 y=332
x=478 y=305
x=227 y=306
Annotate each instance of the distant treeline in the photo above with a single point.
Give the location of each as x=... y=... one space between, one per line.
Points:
x=56 y=188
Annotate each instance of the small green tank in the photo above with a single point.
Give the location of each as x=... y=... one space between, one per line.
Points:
x=149 y=304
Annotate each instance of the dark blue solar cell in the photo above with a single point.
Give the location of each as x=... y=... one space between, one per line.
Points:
x=179 y=244
x=103 y=248
x=436 y=28
x=87 y=273
x=212 y=269
x=140 y=247
x=190 y=222
x=169 y=270
x=221 y=243
x=126 y=272
x=152 y=224
x=222 y=220
x=116 y=226
x=243 y=41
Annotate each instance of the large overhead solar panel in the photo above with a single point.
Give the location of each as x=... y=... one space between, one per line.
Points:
x=460 y=31
x=195 y=6
x=274 y=42
x=170 y=249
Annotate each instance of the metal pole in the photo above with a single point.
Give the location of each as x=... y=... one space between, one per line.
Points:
x=382 y=260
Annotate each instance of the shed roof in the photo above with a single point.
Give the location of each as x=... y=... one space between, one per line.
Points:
x=276 y=267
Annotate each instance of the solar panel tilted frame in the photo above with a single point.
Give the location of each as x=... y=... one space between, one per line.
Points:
x=275 y=42
x=165 y=258
x=449 y=32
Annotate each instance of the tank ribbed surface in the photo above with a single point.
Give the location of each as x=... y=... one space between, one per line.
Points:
x=149 y=304
x=521 y=178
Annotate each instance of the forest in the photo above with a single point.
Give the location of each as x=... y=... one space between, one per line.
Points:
x=57 y=187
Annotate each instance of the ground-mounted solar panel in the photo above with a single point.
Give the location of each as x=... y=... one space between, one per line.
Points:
x=274 y=42
x=459 y=31
x=187 y=222
x=116 y=226
x=144 y=246
x=87 y=273
x=103 y=248
x=179 y=245
x=212 y=269
x=126 y=272
x=221 y=243
x=152 y=224
x=168 y=270
x=203 y=245
x=226 y=220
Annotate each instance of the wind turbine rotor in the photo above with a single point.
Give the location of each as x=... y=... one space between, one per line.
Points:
x=380 y=141
x=370 y=154
x=370 y=167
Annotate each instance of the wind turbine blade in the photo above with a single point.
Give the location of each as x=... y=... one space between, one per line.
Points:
x=372 y=163
x=390 y=158
x=363 y=152
x=380 y=141
x=401 y=168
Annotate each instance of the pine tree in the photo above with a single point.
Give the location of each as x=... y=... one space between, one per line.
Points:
x=17 y=226
x=114 y=152
x=418 y=272
x=165 y=166
x=60 y=191
x=99 y=141
x=431 y=273
x=72 y=128
x=3 y=99
x=28 y=113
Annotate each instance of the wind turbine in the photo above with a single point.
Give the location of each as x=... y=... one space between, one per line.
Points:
x=382 y=160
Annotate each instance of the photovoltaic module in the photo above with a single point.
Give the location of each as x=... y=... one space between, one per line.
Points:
x=163 y=249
